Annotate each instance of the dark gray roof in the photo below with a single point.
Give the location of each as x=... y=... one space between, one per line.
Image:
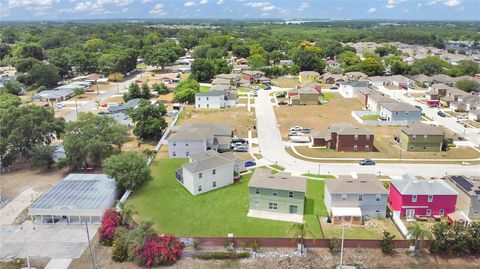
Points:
x=360 y=184
x=422 y=78
x=423 y=129
x=321 y=135
x=263 y=178
x=348 y=129
x=399 y=106
x=211 y=93
x=133 y=103
x=356 y=83
x=208 y=160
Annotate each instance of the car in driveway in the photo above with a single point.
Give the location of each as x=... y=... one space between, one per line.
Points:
x=419 y=107
x=282 y=103
x=366 y=162
x=250 y=163
x=242 y=148
x=103 y=113
x=441 y=114
x=268 y=88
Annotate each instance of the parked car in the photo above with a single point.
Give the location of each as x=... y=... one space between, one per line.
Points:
x=250 y=163
x=242 y=148
x=282 y=103
x=366 y=162
x=334 y=88
x=296 y=128
x=281 y=95
x=419 y=107
x=255 y=95
x=103 y=113
x=242 y=140
x=268 y=88
x=306 y=130
x=441 y=114
x=294 y=133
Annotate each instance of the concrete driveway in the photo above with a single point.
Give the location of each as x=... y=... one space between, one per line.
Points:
x=56 y=241
x=272 y=148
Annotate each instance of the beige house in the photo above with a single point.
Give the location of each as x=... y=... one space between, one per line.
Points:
x=468 y=199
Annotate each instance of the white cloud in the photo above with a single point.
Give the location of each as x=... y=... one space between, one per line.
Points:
x=303 y=6
x=419 y=4
x=393 y=3
x=433 y=2
x=452 y=3
x=219 y=2
x=371 y=10
x=22 y=3
x=158 y=10
x=202 y=2
x=406 y=10
x=264 y=6
x=189 y=4
x=146 y=1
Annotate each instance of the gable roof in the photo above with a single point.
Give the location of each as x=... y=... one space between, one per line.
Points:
x=355 y=184
x=380 y=98
x=422 y=78
x=423 y=129
x=348 y=129
x=413 y=186
x=200 y=132
x=356 y=83
x=443 y=78
x=399 y=106
x=212 y=93
x=263 y=178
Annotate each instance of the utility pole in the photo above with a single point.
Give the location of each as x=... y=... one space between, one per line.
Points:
x=26 y=248
x=318 y=170
x=90 y=246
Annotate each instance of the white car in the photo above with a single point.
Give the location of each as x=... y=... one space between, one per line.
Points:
x=296 y=128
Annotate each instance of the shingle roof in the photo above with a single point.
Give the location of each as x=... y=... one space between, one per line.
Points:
x=221 y=81
x=348 y=129
x=399 y=106
x=208 y=160
x=413 y=186
x=443 y=78
x=211 y=93
x=423 y=129
x=422 y=78
x=263 y=178
x=362 y=184
x=379 y=98
x=356 y=83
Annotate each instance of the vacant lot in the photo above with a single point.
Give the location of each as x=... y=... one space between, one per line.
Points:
x=371 y=229
x=239 y=119
x=339 y=110
x=285 y=82
x=175 y=211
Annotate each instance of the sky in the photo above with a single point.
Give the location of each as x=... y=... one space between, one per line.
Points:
x=240 y=9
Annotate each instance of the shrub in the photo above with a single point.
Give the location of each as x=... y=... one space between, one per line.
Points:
x=119 y=251
x=229 y=245
x=196 y=244
x=255 y=246
x=110 y=222
x=158 y=250
x=221 y=255
x=244 y=245
x=388 y=246
x=334 y=245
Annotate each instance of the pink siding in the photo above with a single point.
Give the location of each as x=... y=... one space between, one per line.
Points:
x=398 y=202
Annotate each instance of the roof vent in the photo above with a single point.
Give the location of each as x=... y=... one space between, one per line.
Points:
x=270 y=177
x=284 y=178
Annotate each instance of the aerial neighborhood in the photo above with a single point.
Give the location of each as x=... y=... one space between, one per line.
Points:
x=151 y=144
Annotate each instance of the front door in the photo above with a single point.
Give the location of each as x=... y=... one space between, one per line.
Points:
x=410 y=213
x=293 y=209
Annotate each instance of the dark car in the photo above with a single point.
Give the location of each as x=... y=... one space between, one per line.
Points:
x=441 y=114
x=366 y=162
x=281 y=95
x=103 y=113
x=282 y=102
x=419 y=107
x=241 y=140
x=268 y=88
x=250 y=163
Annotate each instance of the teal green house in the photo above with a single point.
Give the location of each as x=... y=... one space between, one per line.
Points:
x=278 y=196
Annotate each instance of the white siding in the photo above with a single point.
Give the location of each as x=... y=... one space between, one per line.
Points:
x=209 y=102
x=347 y=91
x=223 y=177
x=179 y=149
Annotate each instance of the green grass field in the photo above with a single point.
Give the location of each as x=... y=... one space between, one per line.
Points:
x=204 y=88
x=371 y=117
x=318 y=176
x=327 y=96
x=174 y=210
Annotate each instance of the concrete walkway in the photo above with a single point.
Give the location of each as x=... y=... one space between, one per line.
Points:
x=11 y=210
x=275 y=216
x=58 y=264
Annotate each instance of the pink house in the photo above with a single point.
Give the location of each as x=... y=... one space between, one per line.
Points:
x=413 y=197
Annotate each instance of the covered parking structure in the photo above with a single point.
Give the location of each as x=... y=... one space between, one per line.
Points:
x=78 y=198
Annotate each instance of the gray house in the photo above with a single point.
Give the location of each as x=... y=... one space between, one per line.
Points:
x=400 y=113
x=362 y=191
x=189 y=139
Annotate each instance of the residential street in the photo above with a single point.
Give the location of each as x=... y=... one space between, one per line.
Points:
x=272 y=149
x=450 y=122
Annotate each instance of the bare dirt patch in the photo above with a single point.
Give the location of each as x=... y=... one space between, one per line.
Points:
x=285 y=82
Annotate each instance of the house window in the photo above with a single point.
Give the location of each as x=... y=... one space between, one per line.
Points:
x=274 y=192
x=257 y=203
x=214 y=184
x=272 y=206
x=360 y=197
x=378 y=197
x=174 y=144
x=442 y=212
x=429 y=211
x=199 y=100
x=414 y=198
x=367 y=147
x=430 y=198
x=207 y=98
x=199 y=175
x=412 y=147
x=257 y=191
x=344 y=197
x=356 y=137
x=367 y=137
x=425 y=136
x=208 y=105
x=214 y=171
x=199 y=187
x=187 y=153
x=290 y=194
x=174 y=154
x=414 y=137
x=355 y=147
x=186 y=144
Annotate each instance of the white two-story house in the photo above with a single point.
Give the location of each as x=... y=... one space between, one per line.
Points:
x=215 y=99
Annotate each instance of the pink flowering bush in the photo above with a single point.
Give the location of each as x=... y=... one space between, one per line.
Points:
x=110 y=222
x=158 y=250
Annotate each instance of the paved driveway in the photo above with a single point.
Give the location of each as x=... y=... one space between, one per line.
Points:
x=272 y=148
x=46 y=240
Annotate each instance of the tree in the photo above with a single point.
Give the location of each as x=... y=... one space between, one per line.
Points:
x=44 y=75
x=276 y=56
x=25 y=127
x=185 y=90
x=388 y=245
x=222 y=66
x=94 y=45
x=418 y=233
x=372 y=66
x=41 y=156
x=160 y=56
x=160 y=88
x=348 y=58
x=12 y=87
x=25 y=64
x=300 y=231
x=386 y=50
x=240 y=50
x=92 y=138
x=467 y=85
x=202 y=69
x=78 y=91
x=9 y=100
x=33 y=50
x=473 y=231
x=465 y=68
x=130 y=170
x=149 y=120
x=309 y=59
x=430 y=65
x=145 y=94
x=257 y=60
x=134 y=91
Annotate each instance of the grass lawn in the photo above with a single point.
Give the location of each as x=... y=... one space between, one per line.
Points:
x=285 y=82
x=174 y=210
x=371 y=117
x=314 y=206
x=327 y=96
x=243 y=90
x=278 y=167
x=204 y=88
x=318 y=176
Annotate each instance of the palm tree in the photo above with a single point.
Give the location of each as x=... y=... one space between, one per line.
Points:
x=127 y=213
x=418 y=232
x=300 y=230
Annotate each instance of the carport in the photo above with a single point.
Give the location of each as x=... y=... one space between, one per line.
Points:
x=78 y=198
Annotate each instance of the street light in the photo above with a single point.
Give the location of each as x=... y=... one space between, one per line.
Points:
x=319 y=170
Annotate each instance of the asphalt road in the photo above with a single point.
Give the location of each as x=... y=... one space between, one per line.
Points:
x=272 y=148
